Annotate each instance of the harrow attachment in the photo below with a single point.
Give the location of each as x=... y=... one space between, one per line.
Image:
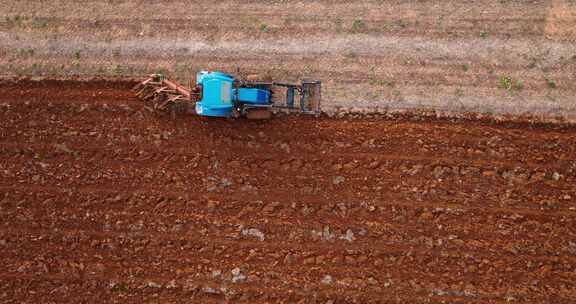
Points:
x=164 y=95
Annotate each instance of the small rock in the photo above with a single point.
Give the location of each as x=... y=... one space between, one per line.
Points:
x=171 y=284
x=254 y=232
x=572 y=247
x=225 y=183
x=373 y=165
x=115 y=199
x=326 y=234
x=351 y=165
x=153 y=285
x=216 y=273
x=82 y=108
x=338 y=180
x=126 y=108
x=414 y=170
x=557 y=176
x=247 y=188
x=70 y=133
x=369 y=143
x=309 y=260
x=489 y=173
x=285 y=147
x=43 y=165
x=237 y=276
x=63 y=148
x=3 y=242
x=349 y=236
x=327 y=280
x=509 y=298
x=210 y=290
x=253 y=145
x=440 y=171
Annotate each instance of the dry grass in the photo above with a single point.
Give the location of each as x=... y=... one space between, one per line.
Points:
x=447 y=54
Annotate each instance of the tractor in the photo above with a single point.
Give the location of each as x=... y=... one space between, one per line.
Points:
x=217 y=94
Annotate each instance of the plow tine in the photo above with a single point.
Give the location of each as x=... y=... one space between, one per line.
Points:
x=144 y=91
x=163 y=105
x=141 y=85
x=141 y=92
x=160 y=94
x=158 y=99
x=170 y=100
x=150 y=95
x=138 y=87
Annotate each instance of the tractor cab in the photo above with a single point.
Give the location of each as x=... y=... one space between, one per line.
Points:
x=220 y=98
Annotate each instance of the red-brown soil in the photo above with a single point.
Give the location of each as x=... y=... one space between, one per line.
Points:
x=102 y=201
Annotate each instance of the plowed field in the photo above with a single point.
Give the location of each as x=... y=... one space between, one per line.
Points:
x=103 y=201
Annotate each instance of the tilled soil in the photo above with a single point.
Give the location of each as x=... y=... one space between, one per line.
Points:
x=103 y=201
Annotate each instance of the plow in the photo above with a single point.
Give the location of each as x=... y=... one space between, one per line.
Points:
x=217 y=94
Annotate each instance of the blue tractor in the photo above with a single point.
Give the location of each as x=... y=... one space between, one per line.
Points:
x=218 y=94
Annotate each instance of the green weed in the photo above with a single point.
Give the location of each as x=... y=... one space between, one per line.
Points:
x=358 y=26
x=263 y=27
x=39 y=22
x=117 y=70
x=351 y=55
x=509 y=84
x=401 y=23
x=26 y=52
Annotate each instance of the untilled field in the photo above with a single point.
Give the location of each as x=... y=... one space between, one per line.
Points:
x=500 y=57
x=103 y=201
